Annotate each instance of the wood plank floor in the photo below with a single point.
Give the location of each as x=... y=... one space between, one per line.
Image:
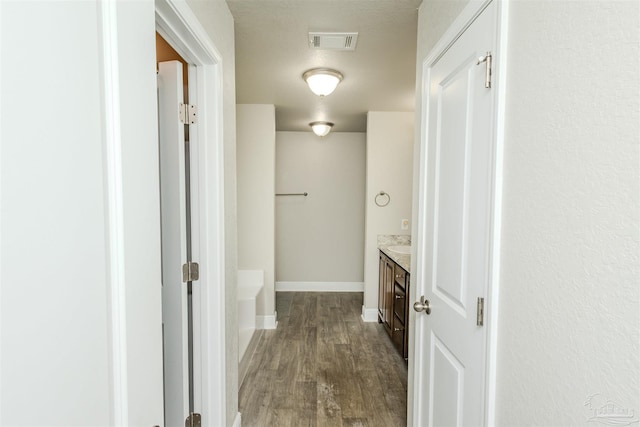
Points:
x=324 y=366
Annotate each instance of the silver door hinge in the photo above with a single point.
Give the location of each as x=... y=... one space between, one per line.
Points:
x=193 y=420
x=190 y=272
x=487 y=60
x=188 y=114
x=480 y=312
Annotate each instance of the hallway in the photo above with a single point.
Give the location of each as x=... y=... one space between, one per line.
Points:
x=323 y=366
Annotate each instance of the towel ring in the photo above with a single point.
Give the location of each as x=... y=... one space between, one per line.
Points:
x=382 y=203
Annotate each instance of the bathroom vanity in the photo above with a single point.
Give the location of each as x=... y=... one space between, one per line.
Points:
x=393 y=295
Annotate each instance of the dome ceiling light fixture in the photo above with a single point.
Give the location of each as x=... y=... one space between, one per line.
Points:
x=321 y=128
x=322 y=81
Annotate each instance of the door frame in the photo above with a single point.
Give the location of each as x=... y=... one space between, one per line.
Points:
x=417 y=370
x=177 y=24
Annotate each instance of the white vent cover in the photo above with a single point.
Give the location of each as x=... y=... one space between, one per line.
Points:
x=333 y=41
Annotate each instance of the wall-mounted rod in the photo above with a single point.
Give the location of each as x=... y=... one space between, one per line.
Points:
x=305 y=194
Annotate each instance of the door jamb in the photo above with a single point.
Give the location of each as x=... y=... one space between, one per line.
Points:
x=177 y=24
x=464 y=20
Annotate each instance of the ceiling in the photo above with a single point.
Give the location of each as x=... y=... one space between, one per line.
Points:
x=272 y=52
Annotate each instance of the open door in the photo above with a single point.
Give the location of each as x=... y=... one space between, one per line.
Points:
x=175 y=241
x=455 y=227
x=178 y=25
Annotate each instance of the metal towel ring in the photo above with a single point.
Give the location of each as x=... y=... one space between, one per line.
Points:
x=382 y=194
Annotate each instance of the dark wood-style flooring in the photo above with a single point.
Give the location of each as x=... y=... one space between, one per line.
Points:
x=324 y=366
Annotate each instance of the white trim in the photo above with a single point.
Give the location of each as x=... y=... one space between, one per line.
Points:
x=237 y=422
x=179 y=26
x=196 y=206
x=115 y=215
x=211 y=196
x=369 y=314
x=459 y=26
x=319 y=286
x=267 y=322
x=500 y=70
x=1 y=222
x=176 y=22
x=453 y=33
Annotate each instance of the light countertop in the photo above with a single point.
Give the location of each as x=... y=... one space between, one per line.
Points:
x=403 y=260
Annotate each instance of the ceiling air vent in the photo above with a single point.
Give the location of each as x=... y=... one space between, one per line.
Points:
x=333 y=41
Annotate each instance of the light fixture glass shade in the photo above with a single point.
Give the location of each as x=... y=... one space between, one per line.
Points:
x=321 y=128
x=322 y=81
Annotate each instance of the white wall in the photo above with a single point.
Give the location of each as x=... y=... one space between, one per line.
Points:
x=216 y=18
x=570 y=270
x=320 y=238
x=569 y=283
x=63 y=167
x=80 y=267
x=256 y=162
x=389 y=169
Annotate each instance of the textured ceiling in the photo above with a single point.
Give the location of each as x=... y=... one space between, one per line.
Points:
x=272 y=52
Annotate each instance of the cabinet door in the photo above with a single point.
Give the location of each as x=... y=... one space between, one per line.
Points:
x=398 y=325
x=381 y=282
x=399 y=302
x=407 y=281
x=388 y=294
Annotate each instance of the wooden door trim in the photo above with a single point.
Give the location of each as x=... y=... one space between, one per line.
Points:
x=459 y=26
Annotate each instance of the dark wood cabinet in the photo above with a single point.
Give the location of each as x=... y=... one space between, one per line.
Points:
x=393 y=300
x=385 y=292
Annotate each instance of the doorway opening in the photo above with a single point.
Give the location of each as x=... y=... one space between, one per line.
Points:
x=175 y=197
x=178 y=26
x=320 y=297
x=458 y=224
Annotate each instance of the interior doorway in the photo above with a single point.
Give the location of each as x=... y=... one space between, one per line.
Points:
x=175 y=197
x=179 y=27
x=458 y=225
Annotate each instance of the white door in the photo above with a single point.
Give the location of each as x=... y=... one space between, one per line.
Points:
x=174 y=243
x=455 y=230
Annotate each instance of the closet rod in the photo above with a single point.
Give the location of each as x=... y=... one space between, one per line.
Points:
x=305 y=194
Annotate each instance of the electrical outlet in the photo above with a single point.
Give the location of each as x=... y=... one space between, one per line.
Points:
x=404 y=224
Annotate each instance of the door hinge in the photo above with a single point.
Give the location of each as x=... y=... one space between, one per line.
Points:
x=193 y=420
x=190 y=272
x=188 y=114
x=480 y=312
x=487 y=60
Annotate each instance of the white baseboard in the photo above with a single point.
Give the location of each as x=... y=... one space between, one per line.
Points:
x=319 y=286
x=267 y=322
x=237 y=422
x=369 y=314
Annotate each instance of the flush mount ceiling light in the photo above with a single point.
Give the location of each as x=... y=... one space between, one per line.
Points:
x=322 y=81
x=321 y=128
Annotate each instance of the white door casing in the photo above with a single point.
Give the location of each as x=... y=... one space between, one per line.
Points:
x=179 y=26
x=458 y=224
x=196 y=306
x=174 y=242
